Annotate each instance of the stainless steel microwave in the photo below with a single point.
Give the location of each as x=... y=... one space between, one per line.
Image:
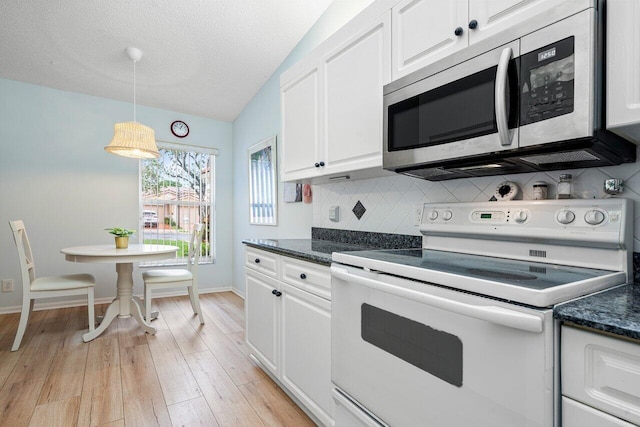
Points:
x=507 y=105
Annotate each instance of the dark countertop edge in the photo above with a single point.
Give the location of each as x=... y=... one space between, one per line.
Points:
x=592 y=312
x=290 y=252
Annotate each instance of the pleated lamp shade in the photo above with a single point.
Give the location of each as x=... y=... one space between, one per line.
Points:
x=132 y=139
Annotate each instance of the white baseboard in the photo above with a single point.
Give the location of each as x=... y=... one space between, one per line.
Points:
x=235 y=291
x=52 y=305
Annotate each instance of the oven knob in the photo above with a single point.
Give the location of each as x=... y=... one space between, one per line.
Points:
x=565 y=216
x=447 y=215
x=520 y=216
x=433 y=214
x=594 y=217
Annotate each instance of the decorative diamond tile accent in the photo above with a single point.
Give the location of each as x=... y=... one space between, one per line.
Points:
x=359 y=210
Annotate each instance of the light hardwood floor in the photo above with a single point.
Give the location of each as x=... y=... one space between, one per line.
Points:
x=187 y=374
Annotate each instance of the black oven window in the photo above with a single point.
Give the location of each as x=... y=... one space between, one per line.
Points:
x=459 y=110
x=436 y=352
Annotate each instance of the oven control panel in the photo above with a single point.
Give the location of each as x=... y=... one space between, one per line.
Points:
x=602 y=220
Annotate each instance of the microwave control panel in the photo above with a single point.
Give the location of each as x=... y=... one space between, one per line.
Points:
x=547 y=82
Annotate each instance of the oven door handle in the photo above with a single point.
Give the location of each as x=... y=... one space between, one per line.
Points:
x=490 y=313
x=502 y=79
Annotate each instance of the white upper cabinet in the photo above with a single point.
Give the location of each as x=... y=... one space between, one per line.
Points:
x=354 y=75
x=301 y=131
x=425 y=31
x=332 y=111
x=493 y=16
x=623 y=68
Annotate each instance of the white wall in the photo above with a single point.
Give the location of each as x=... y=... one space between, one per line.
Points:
x=56 y=176
x=261 y=119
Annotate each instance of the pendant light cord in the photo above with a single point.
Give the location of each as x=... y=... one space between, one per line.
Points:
x=134 y=91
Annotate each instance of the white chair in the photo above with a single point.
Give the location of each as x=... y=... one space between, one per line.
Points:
x=171 y=278
x=45 y=287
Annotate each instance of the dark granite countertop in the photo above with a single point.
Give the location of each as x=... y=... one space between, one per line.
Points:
x=616 y=311
x=324 y=241
x=313 y=250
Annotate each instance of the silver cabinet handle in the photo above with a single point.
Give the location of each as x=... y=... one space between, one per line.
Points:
x=502 y=78
x=490 y=313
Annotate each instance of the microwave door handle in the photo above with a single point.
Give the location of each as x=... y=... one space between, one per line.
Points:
x=502 y=78
x=489 y=313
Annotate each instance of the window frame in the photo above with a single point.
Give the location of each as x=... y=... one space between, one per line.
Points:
x=213 y=153
x=260 y=182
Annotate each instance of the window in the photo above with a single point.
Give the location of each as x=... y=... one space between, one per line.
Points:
x=176 y=193
x=263 y=180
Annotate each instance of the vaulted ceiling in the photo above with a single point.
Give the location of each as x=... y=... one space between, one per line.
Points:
x=202 y=57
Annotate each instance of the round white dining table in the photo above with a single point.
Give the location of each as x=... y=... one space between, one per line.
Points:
x=125 y=304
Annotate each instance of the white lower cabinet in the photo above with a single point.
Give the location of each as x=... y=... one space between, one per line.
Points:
x=288 y=328
x=306 y=349
x=261 y=317
x=600 y=379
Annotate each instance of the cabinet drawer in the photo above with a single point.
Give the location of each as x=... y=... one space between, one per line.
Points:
x=262 y=261
x=311 y=277
x=602 y=372
x=575 y=414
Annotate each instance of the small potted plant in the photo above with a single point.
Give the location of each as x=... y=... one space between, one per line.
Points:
x=122 y=236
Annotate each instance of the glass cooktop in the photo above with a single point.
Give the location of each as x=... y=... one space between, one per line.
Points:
x=521 y=273
x=534 y=283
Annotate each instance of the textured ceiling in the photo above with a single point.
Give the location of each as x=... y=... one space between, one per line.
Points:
x=202 y=57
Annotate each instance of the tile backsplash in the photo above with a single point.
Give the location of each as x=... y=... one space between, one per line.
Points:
x=390 y=201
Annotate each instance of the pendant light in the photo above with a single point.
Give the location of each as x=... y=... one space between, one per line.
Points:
x=132 y=139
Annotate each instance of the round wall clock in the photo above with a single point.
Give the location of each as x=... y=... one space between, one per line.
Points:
x=179 y=129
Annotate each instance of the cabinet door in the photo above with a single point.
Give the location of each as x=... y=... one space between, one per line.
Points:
x=424 y=31
x=623 y=69
x=497 y=15
x=301 y=112
x=306 y=350
x=354 y=75
x=261 y=318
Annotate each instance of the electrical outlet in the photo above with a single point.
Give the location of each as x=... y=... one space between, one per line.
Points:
x=7 y=285
x=417 y=219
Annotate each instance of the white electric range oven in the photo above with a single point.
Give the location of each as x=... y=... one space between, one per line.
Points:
x=460 y=332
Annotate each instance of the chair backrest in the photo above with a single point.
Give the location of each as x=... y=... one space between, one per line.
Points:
x=195 y=248
x=27 y=266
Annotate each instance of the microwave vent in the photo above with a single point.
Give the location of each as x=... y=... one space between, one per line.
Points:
x=571 y=156
x=428 y=173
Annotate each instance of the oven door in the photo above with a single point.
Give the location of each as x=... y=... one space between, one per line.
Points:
x=466 y=110
x=417 y=354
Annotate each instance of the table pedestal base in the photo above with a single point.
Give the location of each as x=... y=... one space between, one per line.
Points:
x=124 y=305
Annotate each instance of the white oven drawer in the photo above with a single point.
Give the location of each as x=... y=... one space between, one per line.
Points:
x=349 y=414
x=313 y=278
x=262 y=261
x=416 y=354
x=602 y=372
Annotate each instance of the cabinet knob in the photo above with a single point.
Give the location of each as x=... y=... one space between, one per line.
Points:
x=321 y=163
x=317 y=165
x=473 y=24
x=303 y=276
x=257 y=260
x=276 y=292
x=458 y=31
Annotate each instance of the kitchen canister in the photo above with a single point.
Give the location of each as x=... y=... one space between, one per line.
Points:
x=539 y=190
x=564 y=186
